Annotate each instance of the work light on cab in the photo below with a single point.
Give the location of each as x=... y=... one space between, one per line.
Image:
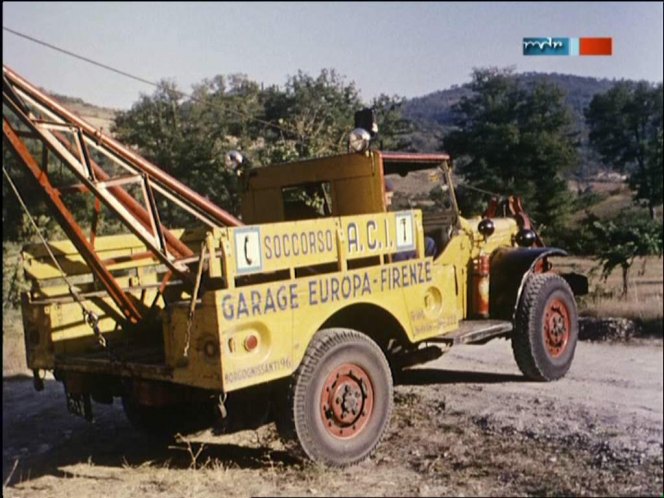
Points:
x=233 y=160
x=359 y=140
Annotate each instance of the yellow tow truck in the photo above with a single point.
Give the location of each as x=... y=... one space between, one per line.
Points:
x=300 y=313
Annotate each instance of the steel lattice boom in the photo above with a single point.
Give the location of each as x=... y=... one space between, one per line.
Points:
x=72 y=141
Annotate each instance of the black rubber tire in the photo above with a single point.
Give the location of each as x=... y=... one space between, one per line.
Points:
x=164 y=422
x=300 y=422
x=528 y=340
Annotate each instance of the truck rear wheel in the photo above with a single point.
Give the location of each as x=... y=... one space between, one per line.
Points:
x=546 y=328
x=339 y=399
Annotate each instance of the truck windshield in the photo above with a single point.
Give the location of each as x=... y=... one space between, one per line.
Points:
x=431 y=191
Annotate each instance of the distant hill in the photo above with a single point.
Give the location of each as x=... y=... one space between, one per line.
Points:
x=99 y=117
x=433 y=114
x=436 y=107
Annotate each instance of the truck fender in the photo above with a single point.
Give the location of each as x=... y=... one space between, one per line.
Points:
x=510 y=268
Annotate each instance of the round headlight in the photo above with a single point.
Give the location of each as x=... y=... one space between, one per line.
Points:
x=526 y=237
x=359 y=140
x=486 y=227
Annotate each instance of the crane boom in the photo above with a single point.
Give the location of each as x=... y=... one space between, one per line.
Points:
x=76 y=143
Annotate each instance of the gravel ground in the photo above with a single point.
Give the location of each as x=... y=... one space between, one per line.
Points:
x=466 y=424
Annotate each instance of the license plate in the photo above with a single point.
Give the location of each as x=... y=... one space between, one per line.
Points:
x=79 y=404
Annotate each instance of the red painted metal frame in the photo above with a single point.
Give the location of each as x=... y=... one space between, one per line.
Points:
x=556 y=327
x=174 y=245
x=71 y=139
x=70 y=160
x=204 y=207
x=70 y=226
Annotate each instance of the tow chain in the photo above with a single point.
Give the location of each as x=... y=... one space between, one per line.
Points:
x=90 y=318
x=93 y=320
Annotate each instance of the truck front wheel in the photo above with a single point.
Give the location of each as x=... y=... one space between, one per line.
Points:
x=546 y=328
x=340 y=398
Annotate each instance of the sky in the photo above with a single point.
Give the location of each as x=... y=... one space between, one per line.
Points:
x=408 y=49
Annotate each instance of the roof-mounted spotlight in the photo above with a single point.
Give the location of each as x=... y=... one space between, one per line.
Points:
x=365 y=130
x=232 y=161
x=359 y=140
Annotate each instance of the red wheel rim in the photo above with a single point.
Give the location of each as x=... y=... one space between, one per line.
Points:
x=346 y=401
x=557 y=327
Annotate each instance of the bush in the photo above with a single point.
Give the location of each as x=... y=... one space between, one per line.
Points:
x=617 y=242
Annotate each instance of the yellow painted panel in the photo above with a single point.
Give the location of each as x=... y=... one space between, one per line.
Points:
x=378 y=234
x=314 y=170
x=285 y=315
x=38 y=264
x=263 y=206
x=277 y=246
x=354 y=196
x=355 y=180
x=193 y=351
x=274 y=246
x=434 y=309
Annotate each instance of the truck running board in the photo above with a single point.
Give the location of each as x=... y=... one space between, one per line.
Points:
x=474 y=332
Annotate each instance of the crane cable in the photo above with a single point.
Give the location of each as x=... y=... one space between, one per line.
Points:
x=152 y=83
x=190 y=96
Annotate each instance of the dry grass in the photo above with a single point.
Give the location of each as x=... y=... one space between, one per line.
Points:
x=13 y=350
x=643 y=302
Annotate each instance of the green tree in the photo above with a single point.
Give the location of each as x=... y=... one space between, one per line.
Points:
x=16 y=225
x=618 y=242
x=313 y=114
x=514 y=140
x=394 y=130
x=153 y=125
x=188 y=136
x=626 y=129
x=222 y=114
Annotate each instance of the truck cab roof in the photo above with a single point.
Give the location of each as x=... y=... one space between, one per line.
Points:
x=340 y=185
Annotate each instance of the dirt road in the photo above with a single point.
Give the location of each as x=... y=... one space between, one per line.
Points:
x=467 y=423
